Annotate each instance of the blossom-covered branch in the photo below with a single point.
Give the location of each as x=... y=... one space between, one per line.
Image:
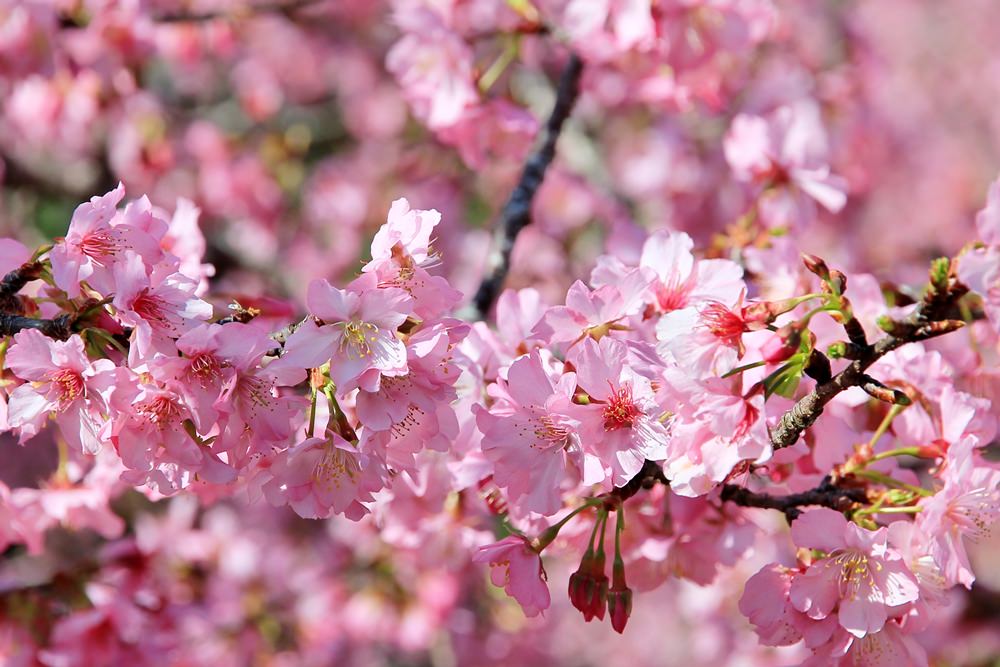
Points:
x=931 y=318
x=516 y=213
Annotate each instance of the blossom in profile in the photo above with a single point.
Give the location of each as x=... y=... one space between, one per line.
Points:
x=517 y=568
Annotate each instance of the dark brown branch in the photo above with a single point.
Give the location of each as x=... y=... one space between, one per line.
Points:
x=13 y=282
x=60 y=328
x=649 y=475
x=927 y=321
x=825 y=495
x=286 y=8
x=516 y=214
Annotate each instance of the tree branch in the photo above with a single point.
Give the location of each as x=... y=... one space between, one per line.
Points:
x=60 y=328
x=516 y=214
x=286 y=8
x=825 y=495
x=926 y=322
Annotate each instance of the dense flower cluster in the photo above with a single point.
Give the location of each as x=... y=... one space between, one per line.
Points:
x=673 y=403
x=671 y=373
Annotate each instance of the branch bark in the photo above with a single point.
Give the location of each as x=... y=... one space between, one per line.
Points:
x=825 y=495
x=516 y=214
x=286 y=8
x=60 y=328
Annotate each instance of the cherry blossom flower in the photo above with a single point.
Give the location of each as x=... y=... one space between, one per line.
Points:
x=99 y=237
x=861 y=578
x=530 y=438
x=966 y=507
x=517 y=568
x=160 y=307
x=320 y=477
x=786 y=154
x=357 y=334
x=60 y=380
x=620 y=423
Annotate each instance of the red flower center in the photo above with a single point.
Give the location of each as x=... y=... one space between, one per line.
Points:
x=620 y=410
x=723 y=322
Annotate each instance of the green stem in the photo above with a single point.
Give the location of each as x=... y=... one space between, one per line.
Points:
x=882 y=478
x=908 y=509
x=746 y=367
x=901 y=451
x=883 y=427
x=550 y=533
x=499 y=65
x=312 y=414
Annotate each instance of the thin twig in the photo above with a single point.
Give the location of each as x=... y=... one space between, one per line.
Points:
x=516 y=214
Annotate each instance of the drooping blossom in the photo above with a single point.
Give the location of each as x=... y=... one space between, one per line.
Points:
x=320 y=477
x=517 y=568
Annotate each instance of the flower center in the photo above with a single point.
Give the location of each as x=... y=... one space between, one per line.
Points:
x=973 y=514
x=723 y=323
x=358 y=337
x=672 y=295
x=160 y=411
x=205 y=367
x=620 y=410
x=550 y=433
x=99 y=245
x=335 y=465
x=68 y=385
x=855 y=574
x=151 y=308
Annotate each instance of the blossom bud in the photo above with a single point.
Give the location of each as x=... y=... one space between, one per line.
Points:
x=783 y=344
x=838 y=280
x=619 y=607
x=620 y=596
x=588 y=586
x=817 y=266
x=940 y=268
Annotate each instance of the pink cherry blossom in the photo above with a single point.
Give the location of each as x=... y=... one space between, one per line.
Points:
x=966 y=507
x=60 y=380
x=517 y=568
x=861 y=578
x=98 y=238
x=160 y=306
x=620 y=423
x=356 y=333
x=530 y=437
x=320 y=477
